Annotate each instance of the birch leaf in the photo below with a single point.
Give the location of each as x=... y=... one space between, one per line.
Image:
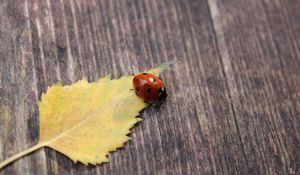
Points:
x=85 y=121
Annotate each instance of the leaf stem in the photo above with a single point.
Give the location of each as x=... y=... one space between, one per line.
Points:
x=21 y=154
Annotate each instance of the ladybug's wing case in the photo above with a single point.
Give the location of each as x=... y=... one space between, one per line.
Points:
x=140 y=86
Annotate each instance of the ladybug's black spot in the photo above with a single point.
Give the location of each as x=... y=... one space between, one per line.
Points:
x=154 y=80
x=149 y=90
x=144 y=73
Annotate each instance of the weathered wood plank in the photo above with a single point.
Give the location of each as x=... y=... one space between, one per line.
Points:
x=258 y=47
x=234 y=96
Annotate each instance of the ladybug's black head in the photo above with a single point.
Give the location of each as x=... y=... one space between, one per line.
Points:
x=162 y=94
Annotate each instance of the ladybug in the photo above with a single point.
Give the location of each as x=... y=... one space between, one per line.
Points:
x=150 y=88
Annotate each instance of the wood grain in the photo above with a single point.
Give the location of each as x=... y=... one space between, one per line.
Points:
x=233 y=105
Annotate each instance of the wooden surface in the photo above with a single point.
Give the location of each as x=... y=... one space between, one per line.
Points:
x=233 y=105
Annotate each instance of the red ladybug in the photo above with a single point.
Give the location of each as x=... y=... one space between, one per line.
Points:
x=149 y=87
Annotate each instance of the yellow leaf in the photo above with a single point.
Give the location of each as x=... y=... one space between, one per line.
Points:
x=85 y=121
